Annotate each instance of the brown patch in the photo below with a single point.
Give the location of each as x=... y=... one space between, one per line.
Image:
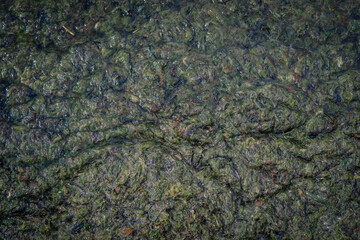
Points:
x=297 y=78
x=259 y=202
x=226 y=69
x=109 y=180
x=154 y=108
x=162 y=82
x=25 y=177
x=126 y=231
x=290 y=89
x=259 y=125
x=159 y=74
x=211 y=128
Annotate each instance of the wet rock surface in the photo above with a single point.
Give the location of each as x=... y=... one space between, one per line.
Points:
x=179 y=119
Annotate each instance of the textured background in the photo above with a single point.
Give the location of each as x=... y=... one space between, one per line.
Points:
x=179 y=119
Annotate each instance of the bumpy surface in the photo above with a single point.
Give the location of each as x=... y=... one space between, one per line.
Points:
x=179 y=119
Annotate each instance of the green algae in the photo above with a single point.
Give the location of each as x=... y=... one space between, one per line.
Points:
x=179 y=119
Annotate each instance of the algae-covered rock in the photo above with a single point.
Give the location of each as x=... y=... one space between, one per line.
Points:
x=179 y=119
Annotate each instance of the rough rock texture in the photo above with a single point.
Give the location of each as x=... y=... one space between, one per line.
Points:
x=179 y=119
